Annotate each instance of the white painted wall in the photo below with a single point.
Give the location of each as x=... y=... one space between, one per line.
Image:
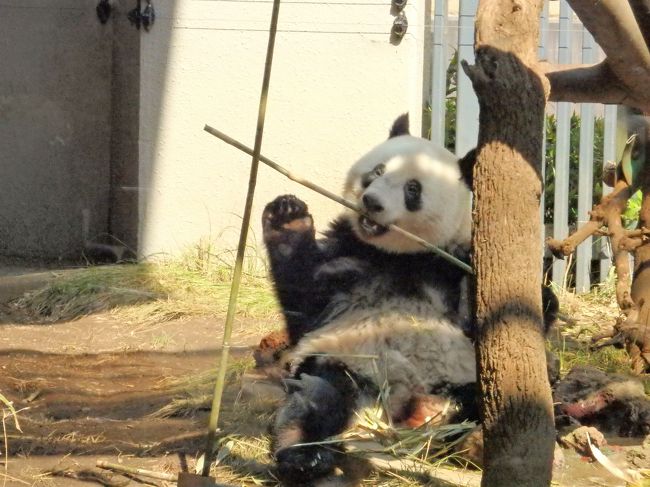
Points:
x=336 y=86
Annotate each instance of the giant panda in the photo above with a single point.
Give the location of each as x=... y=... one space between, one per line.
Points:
x=367 y=309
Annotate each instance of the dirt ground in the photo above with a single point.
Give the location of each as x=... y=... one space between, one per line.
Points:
x=87 y=390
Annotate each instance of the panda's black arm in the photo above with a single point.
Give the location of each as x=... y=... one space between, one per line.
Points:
x=296 y=288
x=294 y=257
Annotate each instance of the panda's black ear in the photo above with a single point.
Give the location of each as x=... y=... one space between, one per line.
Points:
x=400 y=126
x=467 y=167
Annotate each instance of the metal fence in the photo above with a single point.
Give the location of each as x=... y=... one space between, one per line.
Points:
x=563 y=40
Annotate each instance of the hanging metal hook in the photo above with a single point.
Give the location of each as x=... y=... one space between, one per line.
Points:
x=400 y=25
x=103 y=10
x=134 y=15
x=148 y=16
x=145 y=17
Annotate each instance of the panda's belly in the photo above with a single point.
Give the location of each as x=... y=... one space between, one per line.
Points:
x=380 y=295
x=396 y=339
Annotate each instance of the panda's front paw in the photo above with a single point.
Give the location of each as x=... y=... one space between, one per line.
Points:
x=286 y=214
x=284 y=209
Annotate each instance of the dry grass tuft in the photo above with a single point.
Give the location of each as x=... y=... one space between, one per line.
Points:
x=9 y=413
x=197 y=284
x=194 y=393
x=589 y=314
x=399 y=456
x=244 y=460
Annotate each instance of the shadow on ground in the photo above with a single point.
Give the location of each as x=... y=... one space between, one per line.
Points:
x=93 y=404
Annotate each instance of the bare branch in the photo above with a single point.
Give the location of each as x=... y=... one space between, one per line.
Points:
x=630 y=244
x=584 y=83
x=608 y=212
x=613 y=206
x=613 y=25
x=641 y=9
x=562 y=248
x=436 y=250
x=638 y=232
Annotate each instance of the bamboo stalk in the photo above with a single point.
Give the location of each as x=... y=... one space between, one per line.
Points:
x=137 y=471
x=342 y=201
x=238 y=145
x=219 y=384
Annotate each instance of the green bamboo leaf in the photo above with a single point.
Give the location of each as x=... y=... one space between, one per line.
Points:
x=630 y=165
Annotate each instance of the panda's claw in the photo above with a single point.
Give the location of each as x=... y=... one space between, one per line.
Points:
x=291 y=206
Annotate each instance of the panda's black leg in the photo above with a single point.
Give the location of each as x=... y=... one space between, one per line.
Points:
x=550 y=307
x=320 y=405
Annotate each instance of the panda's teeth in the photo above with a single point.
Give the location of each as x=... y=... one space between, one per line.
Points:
x=370 y=227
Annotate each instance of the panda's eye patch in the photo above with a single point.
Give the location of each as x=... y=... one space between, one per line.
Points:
x=413 y=195
x=369 y=177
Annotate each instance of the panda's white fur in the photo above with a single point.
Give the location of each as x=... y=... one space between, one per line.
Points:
x=368 y=309
x=406 y=348
x=418 y=343
x=378 y=325
x=445 y=217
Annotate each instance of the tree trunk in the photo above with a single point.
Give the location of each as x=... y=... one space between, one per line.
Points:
x=640 y=291
x=516 y=408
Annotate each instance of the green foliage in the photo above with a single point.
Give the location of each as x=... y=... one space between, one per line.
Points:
x=608 y=359
x=551 y=135
x=574 y=163
x=631 y=214
x=450 y=124
x=549 y=160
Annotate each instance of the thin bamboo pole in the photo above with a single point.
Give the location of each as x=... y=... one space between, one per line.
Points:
x=234 y=290
x=328 y=194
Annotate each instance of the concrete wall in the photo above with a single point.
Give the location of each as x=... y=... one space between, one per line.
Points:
x=337 y=84
x=69 y=121
x=125 y=127
x=54 y=125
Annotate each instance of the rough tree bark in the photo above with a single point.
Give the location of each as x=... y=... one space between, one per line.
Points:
x=517 y=410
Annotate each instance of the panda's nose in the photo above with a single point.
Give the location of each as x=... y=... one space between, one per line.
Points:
x=372 y=204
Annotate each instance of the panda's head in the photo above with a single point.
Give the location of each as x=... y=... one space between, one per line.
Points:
x=416 y=185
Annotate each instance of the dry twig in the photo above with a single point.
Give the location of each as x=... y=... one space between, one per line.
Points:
x=137 y=471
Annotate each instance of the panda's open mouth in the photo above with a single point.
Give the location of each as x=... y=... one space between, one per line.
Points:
x=371 y=228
